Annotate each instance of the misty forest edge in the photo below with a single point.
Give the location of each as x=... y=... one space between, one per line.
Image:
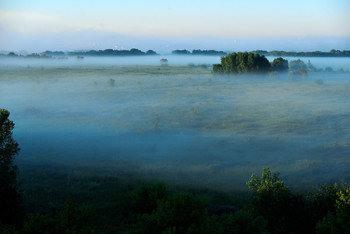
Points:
x=137 y=52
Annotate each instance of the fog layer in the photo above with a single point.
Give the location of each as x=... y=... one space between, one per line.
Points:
x=179 y=122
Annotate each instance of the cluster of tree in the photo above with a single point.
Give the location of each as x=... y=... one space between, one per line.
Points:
x=239 y=63
x=199 y=52
x=111 y=52
x=332 y=53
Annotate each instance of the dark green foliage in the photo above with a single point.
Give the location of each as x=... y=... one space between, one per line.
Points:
x=270 y=196
x=239 y=63
x=37 y=223
x=217 y=68
x=9 y=190
x=245 y=221
x=323 y=199
x=272 y=200
x=279 y=64
x=151 y=208
x=337 y=221
x=297 y=67
x=179 y=213
x=160 y=212
x=72 y=219
x=147 y=197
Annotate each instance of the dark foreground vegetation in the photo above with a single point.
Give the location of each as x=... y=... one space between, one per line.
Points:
x=277 y=53
x=102 y=204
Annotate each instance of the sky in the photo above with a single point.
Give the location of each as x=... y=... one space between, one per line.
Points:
x=164 y=25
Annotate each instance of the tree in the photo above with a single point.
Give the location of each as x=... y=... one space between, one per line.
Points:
x=244 y=221
x=337 y=221
x=9 y=188
x=72 y=219
x=279 y=64
x=178 y=213
x=239 y=63
x=272 y=200
x=297 y=67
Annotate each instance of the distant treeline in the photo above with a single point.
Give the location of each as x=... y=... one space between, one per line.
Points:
x=199 y=52
x=107 y=52
x=137 y=52
x=33 y=55
x=278 y=53
x=110 y=52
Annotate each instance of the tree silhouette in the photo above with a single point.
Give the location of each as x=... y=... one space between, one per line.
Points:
x=9 y=189
x=240 y=63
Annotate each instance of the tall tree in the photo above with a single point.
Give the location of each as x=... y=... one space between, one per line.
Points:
x=9 y=189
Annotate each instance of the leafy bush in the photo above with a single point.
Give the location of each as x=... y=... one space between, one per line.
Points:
x=10 y=195
x=72 y=219
x=179 y=213
x=244 y=221
x=337 y=221
x=147 y=198
x=272 y=200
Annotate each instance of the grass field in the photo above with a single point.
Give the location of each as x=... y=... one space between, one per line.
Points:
x=97 y=131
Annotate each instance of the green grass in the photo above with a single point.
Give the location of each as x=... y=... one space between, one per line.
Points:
x=299 y=128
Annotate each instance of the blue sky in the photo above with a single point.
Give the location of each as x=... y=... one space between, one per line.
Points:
x=62 y=24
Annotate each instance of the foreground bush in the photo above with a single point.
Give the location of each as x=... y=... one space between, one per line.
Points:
x=10 y=195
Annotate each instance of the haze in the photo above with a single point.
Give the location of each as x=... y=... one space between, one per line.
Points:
x=36 y=26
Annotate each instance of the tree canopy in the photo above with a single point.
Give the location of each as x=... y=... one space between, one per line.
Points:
x=239 y=63
x=297 y=67
x=9 y=190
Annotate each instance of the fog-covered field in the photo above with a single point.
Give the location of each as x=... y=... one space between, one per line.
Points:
x=179 y=122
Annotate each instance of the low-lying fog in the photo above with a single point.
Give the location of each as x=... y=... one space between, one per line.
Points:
x=179 y=123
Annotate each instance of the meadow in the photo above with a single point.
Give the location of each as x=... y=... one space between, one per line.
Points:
x=93 y=130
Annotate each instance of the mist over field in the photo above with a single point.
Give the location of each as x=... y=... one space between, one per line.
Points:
x=180 y=122
x=179 y=116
